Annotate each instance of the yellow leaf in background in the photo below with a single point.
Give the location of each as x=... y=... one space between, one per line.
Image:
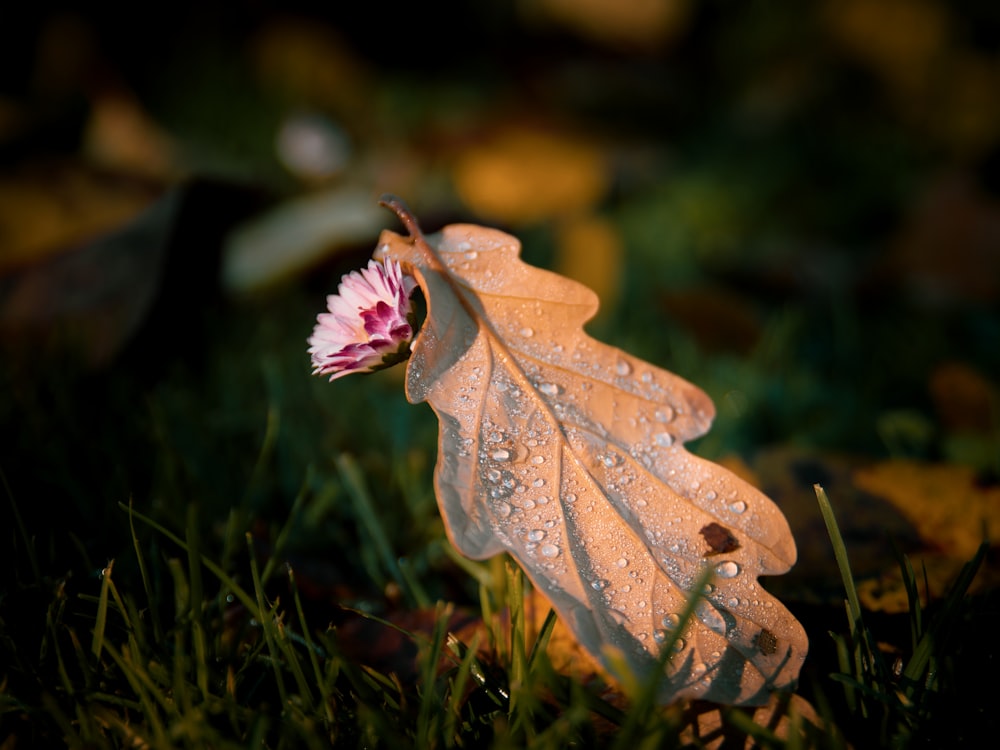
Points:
x=942 y=501
x=964 y=399
x=589 y=250
x=966 y=108
x=46 y=210
x=643 y=24
x=523 y=177
x=568 y=454
x=899 y=39
x=121 y=135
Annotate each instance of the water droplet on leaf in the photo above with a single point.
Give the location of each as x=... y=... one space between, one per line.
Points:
x=727 y=569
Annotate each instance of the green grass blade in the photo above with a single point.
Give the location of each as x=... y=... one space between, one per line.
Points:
x=364 y=506
x=238 y=591
x=922 y=655
x=645 y=692
x=196 y=599
x=839 y=552
x=22 y=531
x=102 y=612
x=430 y=702
x=144 y=575
x=321 y=682
x=264 y=617
x=542 y=641
x=281 y=541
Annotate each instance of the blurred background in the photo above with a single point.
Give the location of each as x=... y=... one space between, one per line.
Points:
x=794 y=205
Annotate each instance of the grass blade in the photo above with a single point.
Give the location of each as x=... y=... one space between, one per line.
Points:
x=102 y=612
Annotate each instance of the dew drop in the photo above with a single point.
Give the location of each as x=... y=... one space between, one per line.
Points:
x=711 y=617
x=626 y=588
x=528 y=504
x=623 y=367
x=539 y=459
x=527 y=332
x=738 y=507
x=664 y=439
x=495 y=436
x=647 y=377
x=697 y=670
x=543 y=500
x=660 y=636
x=549 y=389
x=549 y=550
x=503 y=510
x=622 y=562
x=611 y=459
x=538 y=482
x=727 y=569
x=500 y=455
x=710 y=495
x=536 y=535
x=671 y=621
x=663 y=415
x=570 y=498
x=599 y=584
x=679 y=645
x=493 y=476
x=471 y=255
x=733 y=602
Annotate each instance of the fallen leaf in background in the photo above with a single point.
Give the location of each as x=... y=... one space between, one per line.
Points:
x=295 y=235
x=899 y=39
x=309 y=64
x=589 y=249
x=628 y=24
x=523 y=176
x=943 y=501
x=946 y=251
x=87 y=300
x=720 y=319
x=120 y=136
x=567 y=453
x=964 y=399
x=965 y=110
x=49 y=207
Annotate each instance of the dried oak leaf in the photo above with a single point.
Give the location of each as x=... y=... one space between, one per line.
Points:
x=567 y=453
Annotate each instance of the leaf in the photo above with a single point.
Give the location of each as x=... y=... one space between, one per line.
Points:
x=567 y=453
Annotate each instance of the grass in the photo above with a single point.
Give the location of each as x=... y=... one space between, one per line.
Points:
x=254 y=594
x=216 y=656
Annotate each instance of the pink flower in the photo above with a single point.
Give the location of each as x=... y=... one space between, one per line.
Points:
x=369 y=325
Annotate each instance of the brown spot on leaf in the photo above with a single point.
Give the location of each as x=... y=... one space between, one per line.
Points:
x=767 y=642
x=719 y=538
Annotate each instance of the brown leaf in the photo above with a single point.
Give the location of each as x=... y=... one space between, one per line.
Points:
x=567 y=453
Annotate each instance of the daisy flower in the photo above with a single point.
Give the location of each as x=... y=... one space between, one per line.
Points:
x=369 y=324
